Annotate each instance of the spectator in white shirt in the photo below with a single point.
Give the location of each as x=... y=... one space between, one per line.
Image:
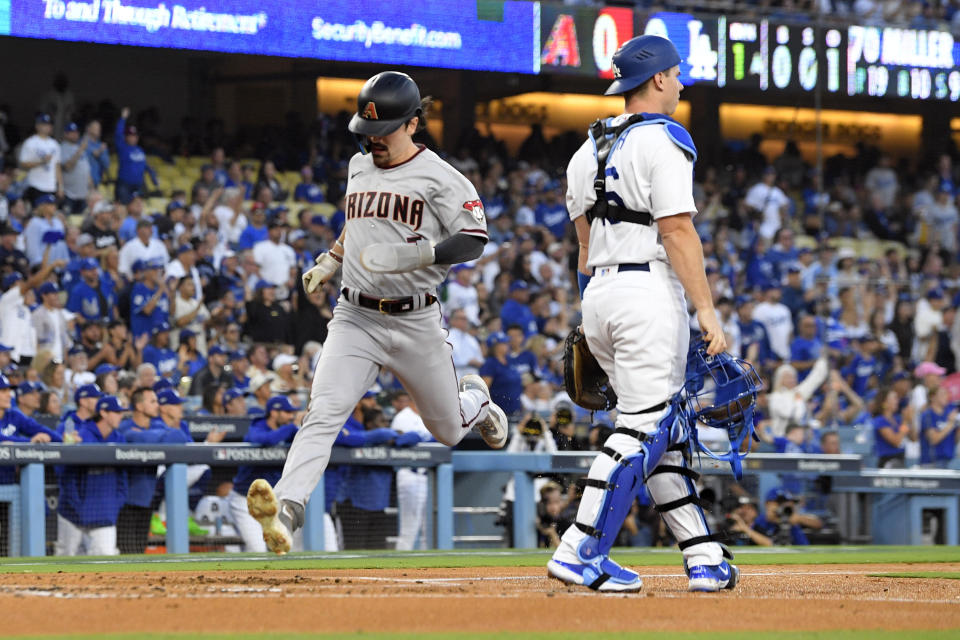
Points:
x=185 y=265
x=462 y=294
x=16 y=329
x=769 y=201
x=926 y=324
x=467 y=355
x=230 y=216
x=881 y=182
x=52 y=323
x=776 y=319
x=39 y=231
x=40 y=158
x=142 y=247
x=277 y=261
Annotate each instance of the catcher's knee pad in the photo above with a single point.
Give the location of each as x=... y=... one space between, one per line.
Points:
x=671 y=486
x=616 y=475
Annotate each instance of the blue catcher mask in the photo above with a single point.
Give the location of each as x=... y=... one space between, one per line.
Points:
x=721 y=392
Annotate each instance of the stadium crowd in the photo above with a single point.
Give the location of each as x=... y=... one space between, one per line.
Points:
x=138 y=278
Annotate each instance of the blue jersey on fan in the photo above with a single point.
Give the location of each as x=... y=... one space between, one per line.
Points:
x=882 y=448
x=165 y=360
x=260 y=433
x=92 y=496
x=16 y=427
x=140 y=321
x=944 y=450
x=85 y=301
x=506 y=386
x=70 y=422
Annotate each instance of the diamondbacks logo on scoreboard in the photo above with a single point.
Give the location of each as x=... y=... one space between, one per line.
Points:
x=370 y=112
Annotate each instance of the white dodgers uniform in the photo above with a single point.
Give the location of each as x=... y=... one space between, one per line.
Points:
x=636 y=322
x=412 y=489
x=423 y=198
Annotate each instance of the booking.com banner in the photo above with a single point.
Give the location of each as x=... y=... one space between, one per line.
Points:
x=460 y=34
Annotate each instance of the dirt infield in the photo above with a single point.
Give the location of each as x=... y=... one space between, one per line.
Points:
x=799 y=597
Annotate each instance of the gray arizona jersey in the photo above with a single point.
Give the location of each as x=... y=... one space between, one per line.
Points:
x=423 y=197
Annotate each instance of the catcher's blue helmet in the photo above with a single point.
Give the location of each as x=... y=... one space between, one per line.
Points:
x=721 y=392
x=639 y=59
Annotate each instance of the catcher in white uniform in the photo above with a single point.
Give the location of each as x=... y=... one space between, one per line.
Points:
x=409 y=216
x=630 y=196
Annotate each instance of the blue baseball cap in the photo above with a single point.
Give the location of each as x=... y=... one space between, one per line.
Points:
x=45 y=198
x=70 y=127
x=138 y=266
x=168 y=397
x=280 y=403
x=373 y=391
x=769 y=284
x=186 y=334
x=4 y=348
x=48 y=287
x=156 y=263
x=4 y=383
x=779 y=494
x=29 y=387
x=216 y=350
x=76 y=349
x=86 y=391
x=161 y=384
x=89 y=263
x=263 y=284
x=497 y=337
x=793 y=268
x=111 y=404
x=103 y=369
x=518 y=285
x=174 y=205
x=163 y=327
x=232 y=394
x=184 y=248
x=319 y=220
x=11 y=279
x=900 y=375
x=44 y=118
x=935 y=294
x=239 y=354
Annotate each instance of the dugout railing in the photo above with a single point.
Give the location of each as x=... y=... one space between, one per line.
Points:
x=902 y=497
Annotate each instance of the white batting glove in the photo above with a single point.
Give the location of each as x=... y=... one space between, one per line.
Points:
x=397 y=258
x=326 y=267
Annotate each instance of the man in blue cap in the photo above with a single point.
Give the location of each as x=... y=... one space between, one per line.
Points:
x=91 y=497
x=86 y=398
x=28 y=397
x=516 y=309
x=276 y=427
x=51 y=322
x=144 y=246
x=89 y=300
x=131 y=159
x=11 y=258
x=16 y=427
x=149 y=302
x=159 y=354
x=630 y=196
x=45 y=230
x=40 y=158
x=234 y=403
x=75 y=168
x=213 y=373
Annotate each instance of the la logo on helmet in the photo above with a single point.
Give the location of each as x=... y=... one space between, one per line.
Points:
x=370 y=112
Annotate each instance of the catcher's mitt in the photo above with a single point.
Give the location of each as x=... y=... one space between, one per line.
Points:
x=585 y=381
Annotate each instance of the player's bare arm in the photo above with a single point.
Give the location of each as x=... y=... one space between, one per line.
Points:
x=680 y=239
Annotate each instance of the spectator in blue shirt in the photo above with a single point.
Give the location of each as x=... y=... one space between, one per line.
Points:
x=938 y=431
x=890 y=430
x=158 y=352
x=516 y=309
x=367 y=491
x=275 y=428
x=754 y=342
x=45 y=230
x=519 y=357
x=144 y=426
x=308 y=190
x=551 y=212
x=85 y=397
x=131 y=159
x=16 y=427
x=504 y=381
x=91 y=497
x=88 y=300
x=149 y=302
x=256 y=231
x=865 y=370
x=806 y=347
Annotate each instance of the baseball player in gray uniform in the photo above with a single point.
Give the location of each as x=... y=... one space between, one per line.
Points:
x=409 y=216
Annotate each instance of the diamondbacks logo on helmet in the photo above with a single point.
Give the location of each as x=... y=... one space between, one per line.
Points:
x=475 y=207
x=370 y=112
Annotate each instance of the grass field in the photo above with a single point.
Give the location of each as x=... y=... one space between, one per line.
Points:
x=747 y=556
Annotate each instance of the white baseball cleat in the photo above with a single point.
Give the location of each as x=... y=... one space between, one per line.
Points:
x=494 y=428
x=262 y=504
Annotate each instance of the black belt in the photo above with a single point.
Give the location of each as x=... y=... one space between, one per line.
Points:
x=632 y=266
x=389 y=305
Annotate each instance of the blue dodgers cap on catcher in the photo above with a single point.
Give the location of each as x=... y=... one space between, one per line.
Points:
x=639 y=59
x=169 y=397
x=110 y=403
x=281 y=403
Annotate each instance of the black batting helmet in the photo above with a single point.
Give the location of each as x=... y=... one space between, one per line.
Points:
x=385 y=102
